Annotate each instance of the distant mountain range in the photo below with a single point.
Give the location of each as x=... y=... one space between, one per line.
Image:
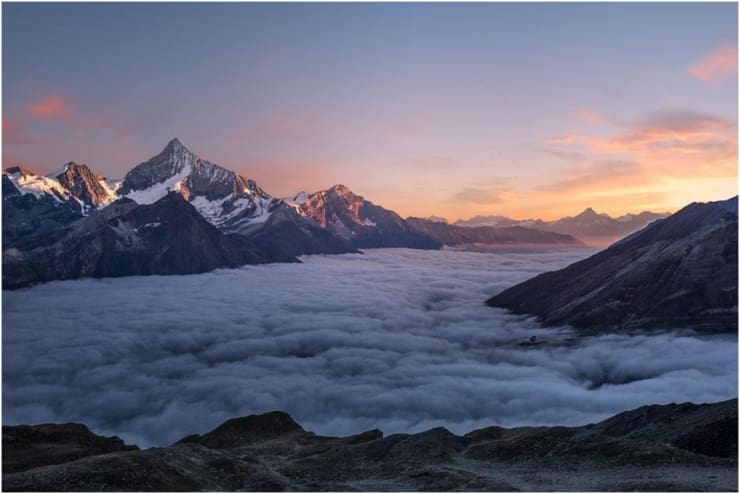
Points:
x=591 y=227
x=454 y=235
x=678 y=272
x=178 y=213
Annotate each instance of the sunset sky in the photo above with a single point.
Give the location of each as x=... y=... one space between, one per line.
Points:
x=454 y=110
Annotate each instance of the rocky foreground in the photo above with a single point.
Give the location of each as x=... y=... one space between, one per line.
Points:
x=682 y=447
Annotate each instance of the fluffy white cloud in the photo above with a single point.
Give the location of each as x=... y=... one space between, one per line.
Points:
x=395 y=339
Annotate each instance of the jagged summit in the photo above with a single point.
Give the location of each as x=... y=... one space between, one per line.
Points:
x=362 y=223
x=175 y=143
x=339 y=188
x=590 y=214
x=84 y=185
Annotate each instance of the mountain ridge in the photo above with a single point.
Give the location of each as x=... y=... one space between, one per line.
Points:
x=680 y=271
x=590 y=226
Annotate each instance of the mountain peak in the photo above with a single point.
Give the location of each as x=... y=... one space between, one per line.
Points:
x=175 y=145
x=340 y=188
x=589 y=213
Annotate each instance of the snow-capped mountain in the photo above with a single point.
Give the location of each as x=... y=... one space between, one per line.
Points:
x=362 y=223
x=72 y=182
x=36 y=204
x=589 y=226
x=227 y=200
x=166 y=237
x=27 y=182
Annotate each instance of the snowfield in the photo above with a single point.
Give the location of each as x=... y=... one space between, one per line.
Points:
x=397 y=339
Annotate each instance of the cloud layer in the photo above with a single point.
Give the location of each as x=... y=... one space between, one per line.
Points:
x=395 y=339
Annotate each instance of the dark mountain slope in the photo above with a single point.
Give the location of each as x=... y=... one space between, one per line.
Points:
x=643 y=450
x=677 y=272
x=166 y=237
x=26 y=215
x=288 y=233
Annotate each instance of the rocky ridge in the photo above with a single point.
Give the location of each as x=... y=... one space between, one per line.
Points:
x=655 y=448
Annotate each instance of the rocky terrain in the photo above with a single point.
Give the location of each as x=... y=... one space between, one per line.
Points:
x=362 y=223
x=452 y=235
x=591 y=227
x=678 y=272
x=682 y=447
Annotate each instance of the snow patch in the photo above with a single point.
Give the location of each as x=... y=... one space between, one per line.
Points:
x=111 y=188
x=158 y=191
x=213 y=211
x=39 y=186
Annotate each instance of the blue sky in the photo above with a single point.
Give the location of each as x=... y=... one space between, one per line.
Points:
x=445 y=109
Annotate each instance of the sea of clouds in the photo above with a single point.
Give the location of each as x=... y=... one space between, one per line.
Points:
x=395 y=339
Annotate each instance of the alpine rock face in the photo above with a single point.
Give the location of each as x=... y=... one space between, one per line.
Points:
x=80 y=182
x=230 y=202
x=362 y=223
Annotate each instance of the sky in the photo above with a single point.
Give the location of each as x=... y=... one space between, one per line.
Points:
x=454 y=110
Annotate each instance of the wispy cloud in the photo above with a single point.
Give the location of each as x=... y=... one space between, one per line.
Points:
x=52 y=107
x=718 y=64
x=678 y=136
x=608 y=174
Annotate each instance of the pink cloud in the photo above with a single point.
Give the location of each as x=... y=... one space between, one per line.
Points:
x=52 y=107
x=716 y=65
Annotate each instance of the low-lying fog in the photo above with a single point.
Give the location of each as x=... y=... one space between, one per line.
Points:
x=395 y=339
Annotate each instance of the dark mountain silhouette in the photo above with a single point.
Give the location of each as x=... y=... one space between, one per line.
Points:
x=677 y=272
